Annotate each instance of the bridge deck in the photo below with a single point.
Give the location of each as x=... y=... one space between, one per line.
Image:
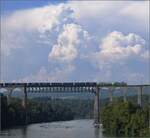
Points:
x=68 y=84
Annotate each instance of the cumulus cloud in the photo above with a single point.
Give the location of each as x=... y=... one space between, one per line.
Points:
x=41 y=19
x=115 y=52
x=23 y=27
x=71 y=32
x=72 y=44
x=69 y=43
x=119 y=48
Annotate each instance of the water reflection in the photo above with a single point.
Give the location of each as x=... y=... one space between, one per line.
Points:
x=96 y=132
x=62 y=129
x=24 y=132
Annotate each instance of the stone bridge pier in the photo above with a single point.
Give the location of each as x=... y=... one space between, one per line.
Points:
x=9 y=90
x=140 y=92
x=24 y=104
x=97 y=106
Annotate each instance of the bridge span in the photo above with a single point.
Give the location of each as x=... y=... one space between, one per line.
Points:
x=92 y=87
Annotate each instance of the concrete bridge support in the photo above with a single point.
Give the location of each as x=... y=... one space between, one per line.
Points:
x=24 y=104
x=110 y=94
x=10 y=90
x=96 y=107
x=125 y=94
x=140 y=91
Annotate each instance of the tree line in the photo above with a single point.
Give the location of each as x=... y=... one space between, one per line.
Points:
x=125 y=119
x=118 y=118
x=44 y=110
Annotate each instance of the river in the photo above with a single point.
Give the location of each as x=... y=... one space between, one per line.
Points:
x=62 y=129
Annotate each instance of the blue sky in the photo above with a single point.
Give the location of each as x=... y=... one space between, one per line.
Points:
x=102 y=41
x=8 y=6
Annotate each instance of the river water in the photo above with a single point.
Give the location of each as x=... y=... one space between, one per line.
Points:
x=63 y=129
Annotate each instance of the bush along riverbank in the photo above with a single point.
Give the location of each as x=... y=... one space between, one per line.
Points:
x=43 y=110
x=125 y=119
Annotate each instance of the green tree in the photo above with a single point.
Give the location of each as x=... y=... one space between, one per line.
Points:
x=125 y=119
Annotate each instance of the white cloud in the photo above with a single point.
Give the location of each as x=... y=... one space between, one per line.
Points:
x=23 y=27
x=41 y=19
x=103 y=9
x=119 y=48
x=94 y=9
x=43 y=75
x=146 y=55
x=45 y=22
x=137 y=10
x=70 y=31
x=69 y=43
x=72 y=44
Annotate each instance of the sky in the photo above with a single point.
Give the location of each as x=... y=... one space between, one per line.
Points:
x=63 y=41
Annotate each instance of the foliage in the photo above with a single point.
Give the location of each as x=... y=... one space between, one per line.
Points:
x=44 y=110
x=113 y=84
x=118 y=118
x=125 y=119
